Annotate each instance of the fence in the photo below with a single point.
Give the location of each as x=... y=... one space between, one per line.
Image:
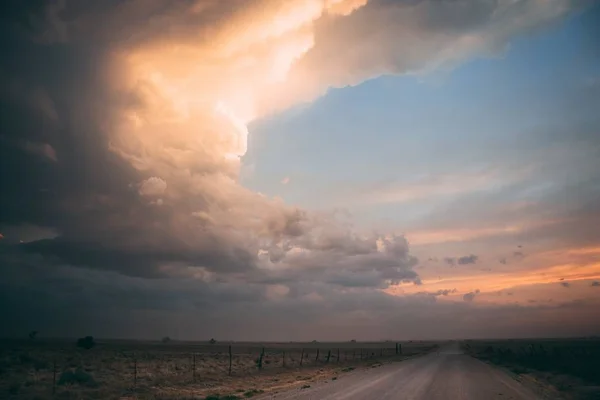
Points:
x=49 y=369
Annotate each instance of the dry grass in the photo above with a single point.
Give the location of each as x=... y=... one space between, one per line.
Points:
x=571 y=367
x=146 y=370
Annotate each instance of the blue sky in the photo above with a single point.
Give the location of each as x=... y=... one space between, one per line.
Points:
x=501 y=117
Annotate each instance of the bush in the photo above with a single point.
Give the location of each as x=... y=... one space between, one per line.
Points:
x=166 y=339
x=77 y=377
x=86 y=342
x=14 y=388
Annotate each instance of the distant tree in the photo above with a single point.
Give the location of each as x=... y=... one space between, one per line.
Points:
x=86 y=342
x=212 y=341
x=353 y=341
x=314 y=341
x=33 y=334
x=166 y=339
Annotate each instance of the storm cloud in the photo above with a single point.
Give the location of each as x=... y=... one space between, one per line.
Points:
x=120 y=158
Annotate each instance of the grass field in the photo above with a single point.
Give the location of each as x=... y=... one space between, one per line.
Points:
x=154 y=370
x=571 y=366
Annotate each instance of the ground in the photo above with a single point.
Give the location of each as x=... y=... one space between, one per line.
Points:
x=153 y=370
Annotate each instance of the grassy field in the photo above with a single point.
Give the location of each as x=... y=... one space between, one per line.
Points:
x=154 y=370
x=571 y=366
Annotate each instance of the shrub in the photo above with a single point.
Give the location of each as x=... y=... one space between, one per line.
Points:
x=166 y=339
x=86 y=342
x=14 y=388
x=77 y=377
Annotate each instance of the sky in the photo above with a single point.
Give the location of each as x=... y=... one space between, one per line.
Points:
x=296 y=170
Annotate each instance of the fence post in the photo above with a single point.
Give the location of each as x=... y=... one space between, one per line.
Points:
x=283 y=359
x=230 y=360
x=301 y=357
x=193 y=367
x=338 y=356
x=54 y=377
x=399 y=348
x=317 y=357
x=381 y=352
x=328 y=355
x=361 y=354
x=260 y=358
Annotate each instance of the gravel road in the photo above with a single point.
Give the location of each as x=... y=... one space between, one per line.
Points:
x=447 y=375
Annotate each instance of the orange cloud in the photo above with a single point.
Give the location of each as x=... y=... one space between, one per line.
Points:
x=547 y=272
x=461 y=235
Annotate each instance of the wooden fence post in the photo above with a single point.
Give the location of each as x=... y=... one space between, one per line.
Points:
x=317 y=357
x=338 y=356
x=230 y=360
x=193 y=367
x=54 y=377
x=301 y=357
x=283 y=359
x=328 y=355
x=260 y=358
x=399 y=348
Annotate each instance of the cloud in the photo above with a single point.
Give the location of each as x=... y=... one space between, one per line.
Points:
x=518 y=254
x=502 y=260
x=152 y=186
x=595 y=284
x=464 y=260
x=469 y=297
x=285 y=180
x=41 y=149
x=164 y=106
x=565 y=284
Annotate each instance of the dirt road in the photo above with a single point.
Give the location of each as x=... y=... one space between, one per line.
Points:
x=447 y=375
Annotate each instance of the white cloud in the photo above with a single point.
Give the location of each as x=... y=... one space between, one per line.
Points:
x=153 y=186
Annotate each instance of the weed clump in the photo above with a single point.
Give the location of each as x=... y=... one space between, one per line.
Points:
x=77 y=377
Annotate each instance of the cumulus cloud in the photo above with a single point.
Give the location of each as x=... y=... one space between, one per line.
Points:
x=469 y=297
x=463 y=260
x=41 y=149
x=441 y=292
x=471 y=259
x=152 y=186
x=164 y=106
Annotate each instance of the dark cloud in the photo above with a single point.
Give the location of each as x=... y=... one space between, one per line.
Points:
x=595 y=283
x=471 y=259
x=469 y=297
x=463 y=260
x=119 y=226
x=450 y=260
x=565 y=284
